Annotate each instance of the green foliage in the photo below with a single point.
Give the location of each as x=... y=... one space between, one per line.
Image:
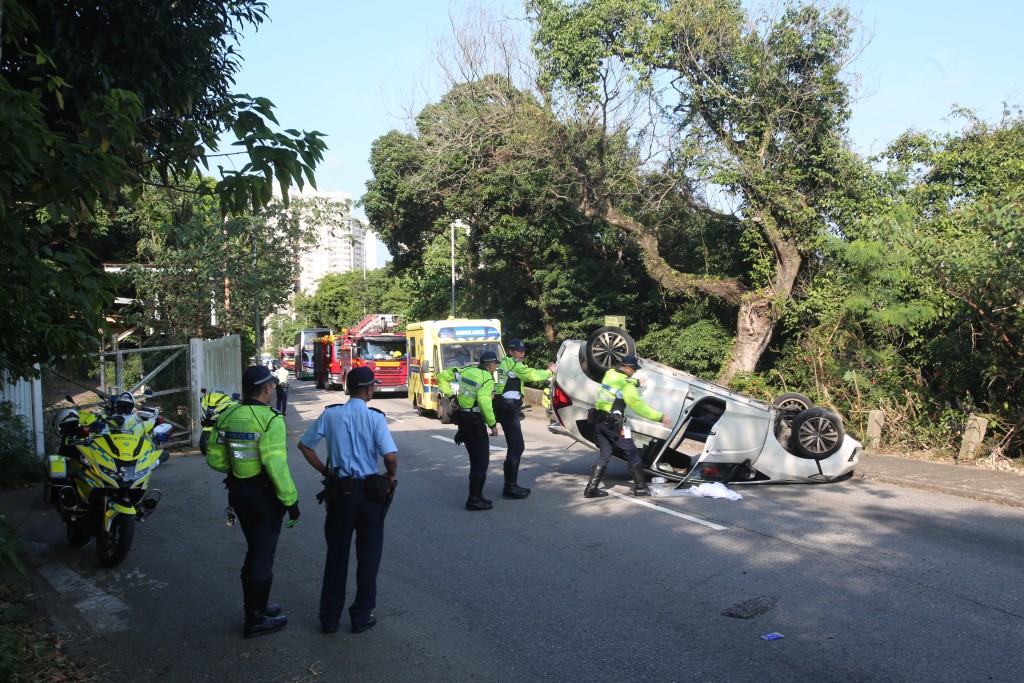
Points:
x=88 y=106
x=18 y=461
x=343 y=299
x=200 y=266
x=9 y=562
x=698 y=347
x=757 y=109
x=484 y=159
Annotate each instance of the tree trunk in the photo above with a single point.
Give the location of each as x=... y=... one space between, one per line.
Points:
x=754 y=328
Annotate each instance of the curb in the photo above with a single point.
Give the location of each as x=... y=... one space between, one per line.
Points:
x=957 y=491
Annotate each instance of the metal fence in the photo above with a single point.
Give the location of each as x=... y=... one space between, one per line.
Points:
x=173 y=374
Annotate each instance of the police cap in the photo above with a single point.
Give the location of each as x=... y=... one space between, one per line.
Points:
x=517 y=345
x=360 y=377
x=488 y=357
x=256 y=376
x=630 y=360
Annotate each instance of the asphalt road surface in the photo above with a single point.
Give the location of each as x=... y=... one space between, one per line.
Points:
x=863 y=581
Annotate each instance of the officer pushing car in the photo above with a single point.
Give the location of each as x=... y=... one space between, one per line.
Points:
x=508 y=404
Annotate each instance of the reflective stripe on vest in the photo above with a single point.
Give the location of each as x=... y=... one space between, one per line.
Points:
x=241 y=445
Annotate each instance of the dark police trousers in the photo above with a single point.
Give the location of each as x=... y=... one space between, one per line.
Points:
x=260 y=514
x=282 y=398
x=351 y=513
x=478 y=445
x=609 y=438
x=508 y=418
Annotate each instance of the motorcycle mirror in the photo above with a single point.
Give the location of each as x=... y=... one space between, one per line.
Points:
x=202 y=390
x=147 y=392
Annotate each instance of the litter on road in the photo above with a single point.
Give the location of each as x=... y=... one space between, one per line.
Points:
x=707 y=490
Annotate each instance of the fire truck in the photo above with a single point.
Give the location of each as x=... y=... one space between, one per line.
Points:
x=372 y=343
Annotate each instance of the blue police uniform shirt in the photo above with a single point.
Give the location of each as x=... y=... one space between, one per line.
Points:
x=355 y=435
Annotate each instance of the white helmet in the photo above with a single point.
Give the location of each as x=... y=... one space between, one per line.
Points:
x=124 y=404
x=65 y=421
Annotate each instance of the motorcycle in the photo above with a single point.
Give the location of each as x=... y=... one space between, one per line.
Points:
x=211 y=405
x=99 y=479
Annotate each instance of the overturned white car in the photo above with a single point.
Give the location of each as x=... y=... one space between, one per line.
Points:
x=717 y=435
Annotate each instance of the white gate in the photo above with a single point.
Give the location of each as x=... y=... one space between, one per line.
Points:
x=216 y=366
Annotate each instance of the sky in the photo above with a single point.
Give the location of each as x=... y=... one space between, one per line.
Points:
x=352 y=69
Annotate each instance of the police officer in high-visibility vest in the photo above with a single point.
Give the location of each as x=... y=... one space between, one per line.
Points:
x=619 y=390
x=508 y=402
x=474 y=417
x=250 y=448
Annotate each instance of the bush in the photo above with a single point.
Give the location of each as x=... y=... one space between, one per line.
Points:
x=698 y=349
x=18 y=460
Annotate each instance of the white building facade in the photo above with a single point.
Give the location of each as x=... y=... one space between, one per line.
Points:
x=341 y=242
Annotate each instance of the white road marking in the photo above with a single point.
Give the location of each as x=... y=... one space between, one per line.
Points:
x=640 y=501
x=445 y=438
x=101 y=609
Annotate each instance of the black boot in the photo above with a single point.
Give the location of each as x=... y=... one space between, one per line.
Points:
x=272 y=609
x=513 y=489
x=257 y=621
x=593 y=489
x=476 y=500
x=640 y=487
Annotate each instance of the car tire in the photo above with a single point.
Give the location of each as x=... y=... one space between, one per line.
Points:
x=816 y=434
x=444 y=412
x=605 y=348
x=793 y=400
x=789 y=405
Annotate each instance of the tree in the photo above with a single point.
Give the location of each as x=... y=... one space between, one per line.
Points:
x=199 y=267
x=720 y=106
x=934 y=281
x=343 y=299
x=486 y=158
x=97 y=96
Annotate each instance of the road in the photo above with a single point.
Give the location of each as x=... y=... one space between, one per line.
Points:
x=864 y=581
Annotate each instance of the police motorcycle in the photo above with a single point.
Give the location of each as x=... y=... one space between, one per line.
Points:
x=99 y=479
x=211 y=405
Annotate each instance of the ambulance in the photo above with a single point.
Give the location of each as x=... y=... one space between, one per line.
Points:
x=436 y=345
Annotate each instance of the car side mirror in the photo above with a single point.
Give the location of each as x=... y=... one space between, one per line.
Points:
x=425 y=366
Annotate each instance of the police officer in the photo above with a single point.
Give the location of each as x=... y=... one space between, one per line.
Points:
x=250 y=449
x=356 y=496
x=474 y=416
x=508 y=402
x=619 y=391
x=282 y=389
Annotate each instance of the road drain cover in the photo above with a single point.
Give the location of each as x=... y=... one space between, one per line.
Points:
x=754 y=607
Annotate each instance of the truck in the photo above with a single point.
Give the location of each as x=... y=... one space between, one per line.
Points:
x=304 y=351
x=374 y=343
x=436 y=345
x=286 y=359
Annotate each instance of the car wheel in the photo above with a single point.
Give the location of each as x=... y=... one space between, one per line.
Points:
x=789 y=404
x=444 y=411
x=793 y=400
x=816 y=434
x=605 y=348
